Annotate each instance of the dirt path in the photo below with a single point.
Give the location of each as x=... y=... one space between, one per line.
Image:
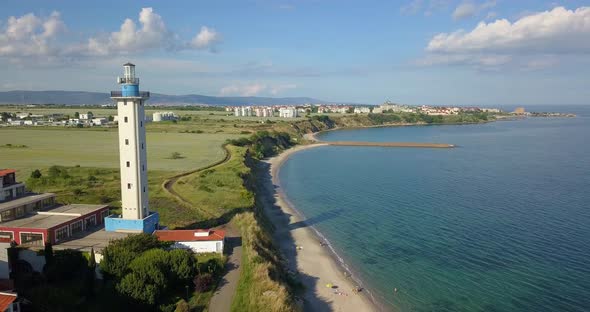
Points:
x=169 y=183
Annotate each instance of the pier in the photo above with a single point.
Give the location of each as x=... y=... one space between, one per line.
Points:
x=390 y=144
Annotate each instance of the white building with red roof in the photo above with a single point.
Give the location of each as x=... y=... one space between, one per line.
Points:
x=199 y=241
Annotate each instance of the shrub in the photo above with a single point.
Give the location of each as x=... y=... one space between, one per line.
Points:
x=203 y=282
x=182 y=306
x=175 y=155
x=214 y=266
x=36 y=174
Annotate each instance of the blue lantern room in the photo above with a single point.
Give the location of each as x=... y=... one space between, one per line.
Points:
x=129 y=83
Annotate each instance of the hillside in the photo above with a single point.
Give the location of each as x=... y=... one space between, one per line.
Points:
x=98 y=98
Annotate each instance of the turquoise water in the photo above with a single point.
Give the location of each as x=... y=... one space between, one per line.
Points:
x=501 y=223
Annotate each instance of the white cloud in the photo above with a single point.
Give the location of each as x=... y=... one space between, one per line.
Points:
x=540 y=35
x=558 y=31
x=151 y=34
x=30 y=35
x=253 y=89
x=469 y=9
x=207 y=38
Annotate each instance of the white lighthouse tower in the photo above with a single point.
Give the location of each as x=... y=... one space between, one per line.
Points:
x=136 y=216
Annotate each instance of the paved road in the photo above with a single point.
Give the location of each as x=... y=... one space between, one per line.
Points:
x=223 y=296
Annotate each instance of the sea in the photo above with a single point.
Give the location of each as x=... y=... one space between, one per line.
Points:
x=499 y=223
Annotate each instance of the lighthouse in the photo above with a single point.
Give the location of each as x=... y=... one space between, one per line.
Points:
x=135 y=214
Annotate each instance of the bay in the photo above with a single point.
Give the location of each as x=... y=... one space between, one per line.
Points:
x=500 y=223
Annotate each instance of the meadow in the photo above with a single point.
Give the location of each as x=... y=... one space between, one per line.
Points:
x=99 y=148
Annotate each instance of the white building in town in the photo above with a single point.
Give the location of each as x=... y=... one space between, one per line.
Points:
x=161 y=116
x=99 y=121
x=362 y=110
x=288 y=112
x=263 y=111
x=199 y=241
x=87 y=116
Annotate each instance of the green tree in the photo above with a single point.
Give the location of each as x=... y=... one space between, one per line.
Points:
x=149 y=277
x=182 y=265
x=119 y=253
x=36 y=174
x=76 y=115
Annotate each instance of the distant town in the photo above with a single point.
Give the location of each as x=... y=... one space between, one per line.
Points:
x=88 y=119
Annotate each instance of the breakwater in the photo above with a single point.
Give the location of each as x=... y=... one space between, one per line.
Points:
x=390 y=144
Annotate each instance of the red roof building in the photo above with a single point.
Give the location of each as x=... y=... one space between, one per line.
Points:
x=199 y=241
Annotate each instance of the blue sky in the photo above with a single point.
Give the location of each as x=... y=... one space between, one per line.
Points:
x=439 y=52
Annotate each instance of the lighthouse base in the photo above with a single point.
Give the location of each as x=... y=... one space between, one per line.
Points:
x=115 y=223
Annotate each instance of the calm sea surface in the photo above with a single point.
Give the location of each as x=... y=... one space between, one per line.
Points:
x=501 y=223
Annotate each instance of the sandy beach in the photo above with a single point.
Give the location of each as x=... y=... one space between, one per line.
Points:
x=315 y=263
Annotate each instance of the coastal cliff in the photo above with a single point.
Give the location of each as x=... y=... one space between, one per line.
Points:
x=319 y=123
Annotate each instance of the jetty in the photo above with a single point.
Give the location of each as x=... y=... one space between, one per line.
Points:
x=389 y=144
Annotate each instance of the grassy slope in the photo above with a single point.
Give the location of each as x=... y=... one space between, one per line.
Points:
x=218 y=191
x=225 y=193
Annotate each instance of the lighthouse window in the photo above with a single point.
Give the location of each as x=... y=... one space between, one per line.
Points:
x=141 y=123
x=142 y=168
x=144 y=189
x=128 y=164
x=141 y=145
x=128 y=186
x=125 y=119
x=126 y=141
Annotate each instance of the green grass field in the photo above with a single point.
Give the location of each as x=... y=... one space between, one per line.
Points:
x=70 y=147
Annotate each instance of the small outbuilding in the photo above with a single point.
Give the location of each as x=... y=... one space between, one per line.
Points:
x=199 y=241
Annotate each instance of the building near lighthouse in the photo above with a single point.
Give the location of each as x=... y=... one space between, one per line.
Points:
x=136 y=216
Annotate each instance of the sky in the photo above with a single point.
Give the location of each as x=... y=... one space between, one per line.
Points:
x=434 y=52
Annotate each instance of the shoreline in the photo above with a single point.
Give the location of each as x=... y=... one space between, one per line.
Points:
x=317 y=265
